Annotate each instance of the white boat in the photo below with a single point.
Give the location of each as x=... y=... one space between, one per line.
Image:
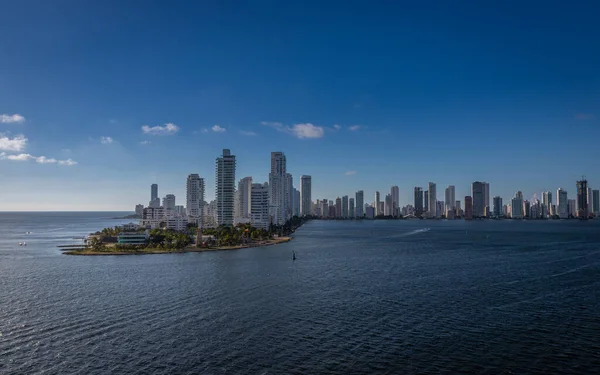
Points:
x=24 y=243
x=20 y=243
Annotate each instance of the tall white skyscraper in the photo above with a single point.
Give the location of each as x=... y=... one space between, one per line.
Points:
x=546 y=202
x=243 y=198
x=450 y=198
x=195 y=198
x=305 y=195
x=388 y=205
x=277 y=189
x=377 y=204
x=432 y=199
x=259 y=206
x=517 y=206
x=225 y=187
x=395 y=192
x=169 y=204
x=562 y=204
x=360 y=204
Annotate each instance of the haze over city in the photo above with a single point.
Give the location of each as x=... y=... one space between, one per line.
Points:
x=98 y=101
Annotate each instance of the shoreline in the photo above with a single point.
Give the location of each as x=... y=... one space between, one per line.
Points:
x=188 y=249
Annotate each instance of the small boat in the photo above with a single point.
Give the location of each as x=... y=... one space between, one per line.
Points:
x=24 y=243
x=20 y=243
x=293 y=255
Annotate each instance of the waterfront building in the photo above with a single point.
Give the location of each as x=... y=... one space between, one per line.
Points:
x=426 y=203
x=457 y=205
x=418 y=201
x=305 y=195
x=259 y=206
x=360 y=203
x=486 y=198
x=432 y=200
x=468 y=214
x=152 y=217
x=351 y=212
x=244 y=196
x=572 y=207
x=370 y=212
x=332 y=209
x=517 y=206
x=325 y=208
x=534 y=209
x=498 y=206
x=526 y=208
x=297 y=203
x=590 y=200
x=582 y=202
x=345 y=206
x=395 y=193
x=562 y=203
x=439 y=210
x=139 y=209
x=178 y=223
x=596 y=202
x=546 y=203
x=133 y=238
x=478 y=190
x=277 y=182
x=450 y=198
x=288 y=196
x=388 y=206
x=338 y=207
x=225 y=187
x=195 y=198
x=449 y=213
x=377 y=200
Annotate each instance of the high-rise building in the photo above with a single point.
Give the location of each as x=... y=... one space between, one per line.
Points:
x=195 y=198
x=169 y=204
x=360 y=204
x=526 y=208
x=582 y=203
x=351 y=212
x=388 y=206
x=468 y=208
x=439 y=211
x=562 y=204
x=277 y=183
x=225 y=187
x=486 y=198
x=244 y=193
x=345 y=206
x=338 y=207
x=546 y=203
x=590 y=200
x=426 y=202
x=432 y=200
x=259 y=206
x=288 y=200
x=478 y=193
x=297 y=203
x=517 y=206
x=457 y=205
x=498 y=206
x=153 y=192
x=395 y=192
x=305 y=195
x=572 y=207
x=450 y=197
x=139 y=209
x=418 y=201
x=377 y=200
x=596 y=202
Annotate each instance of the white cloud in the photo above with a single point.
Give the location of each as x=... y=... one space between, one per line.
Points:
x=68 y=162
x=204 y=130
x=350 y=173
x=337 y=127
x=245 y=132
x=217 y=129
x=168 y=129
x=106 y=140
x=300 y=131
x=9 y=119
x=17 y=144
x=38 y=159
x=354 y=128
x=145 y=142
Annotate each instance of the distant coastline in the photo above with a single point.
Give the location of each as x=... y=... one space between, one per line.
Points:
x=87 y=251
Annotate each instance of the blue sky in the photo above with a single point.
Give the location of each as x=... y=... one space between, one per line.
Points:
x=360 y=95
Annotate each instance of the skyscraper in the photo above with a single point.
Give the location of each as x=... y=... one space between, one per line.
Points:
x=296 y=210
x=225 y=187
x=338 y=207
x=395 y=192
x=572 y=203
x=418 y=201
x=153 y=192
x=169 y=204
x=345 y=206
x=360 y=204
x=305 y=195
x=582 y=203
x=195 y=199
x=486 y=198
x=498 y=206
x=432 y=200
x=259 y=206
x=450 y=198
x=596 y=202
x=478 y=193
x=244 y=193
x=277 y=187
x=351 y=212
x=426 y=202
x=562 y=204
x=546 y=202
x=377 y=200
x=388 y=206
x=468 y=208
x=590 y=200
x=517 y=206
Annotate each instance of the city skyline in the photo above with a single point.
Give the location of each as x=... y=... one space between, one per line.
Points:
x=91 y=108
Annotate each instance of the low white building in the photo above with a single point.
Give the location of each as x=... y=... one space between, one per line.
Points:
x=130 y=227
x=178 y=223
x=152 y=217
